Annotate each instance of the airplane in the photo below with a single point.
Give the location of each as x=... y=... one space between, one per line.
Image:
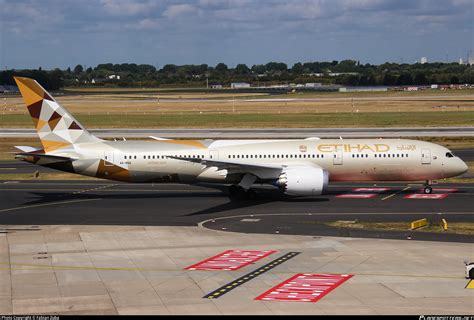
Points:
x=298 y=167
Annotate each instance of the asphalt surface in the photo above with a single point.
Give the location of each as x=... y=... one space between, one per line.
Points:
x=20 y=167
x=262 y=133
x=106 y=203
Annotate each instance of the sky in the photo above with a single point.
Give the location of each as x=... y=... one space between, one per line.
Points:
x=63 y=33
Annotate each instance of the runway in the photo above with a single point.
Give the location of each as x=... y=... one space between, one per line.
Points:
x=262 y=133
x=108 y=203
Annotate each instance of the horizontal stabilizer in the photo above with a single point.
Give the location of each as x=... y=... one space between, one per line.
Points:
x=27 y=148
x=42 y=155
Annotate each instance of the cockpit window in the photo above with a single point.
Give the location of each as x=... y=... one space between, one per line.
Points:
x=449 y=155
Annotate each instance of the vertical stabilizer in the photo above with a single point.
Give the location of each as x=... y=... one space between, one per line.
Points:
x=56 y=127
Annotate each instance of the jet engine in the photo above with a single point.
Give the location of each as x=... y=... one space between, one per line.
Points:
x=303 y=181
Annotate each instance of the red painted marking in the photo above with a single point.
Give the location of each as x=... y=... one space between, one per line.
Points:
x=305 y=287
x=432 y=196
x=231 y=260
x=370 y=189
x=443 y=190
x=356 y=195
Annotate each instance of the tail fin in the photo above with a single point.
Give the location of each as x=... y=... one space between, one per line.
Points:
x=56 y=127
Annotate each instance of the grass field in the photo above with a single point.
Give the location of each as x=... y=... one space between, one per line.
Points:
x=235 y=120
x=226 y=91
x=453 y=227
x=190 y=102
x=414 y=94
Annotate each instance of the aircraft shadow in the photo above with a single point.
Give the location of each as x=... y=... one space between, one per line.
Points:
x=240 y=204
x=42 y=198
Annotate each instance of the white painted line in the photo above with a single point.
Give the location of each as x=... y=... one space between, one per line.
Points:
x=356 y=196
x=250 y=220
x=47 y=204
x=212 y=220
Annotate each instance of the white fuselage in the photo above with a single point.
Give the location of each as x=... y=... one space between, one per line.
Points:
x=344 y=159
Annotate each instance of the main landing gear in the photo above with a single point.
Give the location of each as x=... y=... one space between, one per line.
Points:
x=239 y=193
x=242 y=190
x=428 y=189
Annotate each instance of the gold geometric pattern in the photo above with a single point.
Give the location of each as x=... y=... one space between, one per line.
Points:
x=56 y=127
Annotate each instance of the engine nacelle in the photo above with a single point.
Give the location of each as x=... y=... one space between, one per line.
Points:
x=303 y=181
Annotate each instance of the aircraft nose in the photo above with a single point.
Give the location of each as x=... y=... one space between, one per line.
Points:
x=463 y=168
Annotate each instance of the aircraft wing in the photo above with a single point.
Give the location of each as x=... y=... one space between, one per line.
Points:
x=158 y=138
x=263 y=171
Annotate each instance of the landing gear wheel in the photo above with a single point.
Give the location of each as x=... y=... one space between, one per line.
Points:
x=238 y=193
x=428 y=190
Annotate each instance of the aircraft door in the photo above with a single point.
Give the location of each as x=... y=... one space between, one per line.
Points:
x=337 y=157
x=425 y=156
x=108 y=158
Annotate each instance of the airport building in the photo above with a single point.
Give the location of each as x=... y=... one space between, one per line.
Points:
x=239 y=85
x=362 y=89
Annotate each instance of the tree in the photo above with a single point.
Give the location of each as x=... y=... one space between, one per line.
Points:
x=242 y=69
x=105 y=66
x=56 y=79
x=169 y=68
x=222 y=68
x=78 y=69
x=346 y=66
x=389 y=79
x=404 y=79
x=420 y=78
x=259 y=69
x=297 y=68
x=276 y=66
x=203 y=68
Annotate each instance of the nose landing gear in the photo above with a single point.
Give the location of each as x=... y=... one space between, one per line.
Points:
x=428 y=189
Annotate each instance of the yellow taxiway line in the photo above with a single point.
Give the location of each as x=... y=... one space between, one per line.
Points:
x=470 y=284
